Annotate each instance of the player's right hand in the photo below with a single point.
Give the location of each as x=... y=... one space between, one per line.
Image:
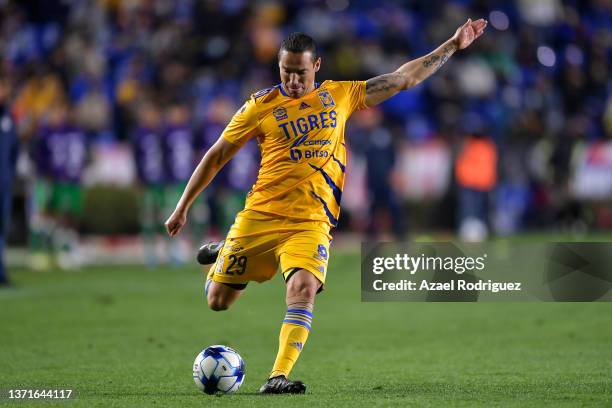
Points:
x=175 y=222
x=467 y=33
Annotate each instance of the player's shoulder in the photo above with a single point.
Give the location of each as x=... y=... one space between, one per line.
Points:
x=266 y=95
x=341 y=89
x=331 y=84
x=259 y=102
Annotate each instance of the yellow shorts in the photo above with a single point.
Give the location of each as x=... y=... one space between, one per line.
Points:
x=257 y=244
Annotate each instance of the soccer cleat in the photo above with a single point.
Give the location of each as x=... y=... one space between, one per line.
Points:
x=281 y=385
x=207 y=254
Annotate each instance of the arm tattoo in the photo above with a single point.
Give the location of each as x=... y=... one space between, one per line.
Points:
x=430 y=61
x=384 y=83
x=438 y=60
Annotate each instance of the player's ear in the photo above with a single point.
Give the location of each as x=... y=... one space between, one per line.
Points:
x=317 y=64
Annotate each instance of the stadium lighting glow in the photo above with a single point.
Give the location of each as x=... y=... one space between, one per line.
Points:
x=546 y=56
x=499 y=20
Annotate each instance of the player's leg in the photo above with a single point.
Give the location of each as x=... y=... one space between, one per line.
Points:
x=41 y=225
x=247 y=255
x=70 y=204
x=302 y=287
x=304 y=263
x=220 y=296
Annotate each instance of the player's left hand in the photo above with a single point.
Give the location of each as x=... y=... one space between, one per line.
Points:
x=467 y=33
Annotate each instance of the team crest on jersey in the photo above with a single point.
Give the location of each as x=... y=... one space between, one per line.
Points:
x=326 y=99
x=280 y=113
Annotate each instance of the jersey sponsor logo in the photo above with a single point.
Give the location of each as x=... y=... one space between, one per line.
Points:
x=304 y=124
x=303 y=141
x=298 y=154
x=280 y=113
x=326 y=99
x=295 y=154
x=304 y=105
x=323 y=142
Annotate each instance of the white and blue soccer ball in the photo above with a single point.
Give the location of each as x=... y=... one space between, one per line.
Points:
x=218 y=369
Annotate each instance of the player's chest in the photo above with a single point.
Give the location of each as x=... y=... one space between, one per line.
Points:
x=307 y=117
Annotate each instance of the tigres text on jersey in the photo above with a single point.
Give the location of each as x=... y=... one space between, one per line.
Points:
x=302 y=148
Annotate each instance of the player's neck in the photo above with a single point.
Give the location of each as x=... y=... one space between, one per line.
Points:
x=309 y=88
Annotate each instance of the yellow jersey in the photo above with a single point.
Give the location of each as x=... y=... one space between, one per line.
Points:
x=303 y=154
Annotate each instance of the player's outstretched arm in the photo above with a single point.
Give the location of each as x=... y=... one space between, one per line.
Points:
x=213 y=161
x=383 y=87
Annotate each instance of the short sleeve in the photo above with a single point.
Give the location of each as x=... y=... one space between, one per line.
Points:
x=243 y=126
x=355 y=94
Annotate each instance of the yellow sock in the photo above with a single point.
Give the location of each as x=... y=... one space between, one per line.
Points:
x=292 y=338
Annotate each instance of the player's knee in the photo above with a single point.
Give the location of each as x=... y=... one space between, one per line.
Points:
x=217 y=304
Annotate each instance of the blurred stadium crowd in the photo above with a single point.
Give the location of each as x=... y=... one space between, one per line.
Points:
x=133 y=92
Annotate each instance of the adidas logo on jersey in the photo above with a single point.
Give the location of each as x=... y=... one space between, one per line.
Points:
x=297 y=345
x=304 y=105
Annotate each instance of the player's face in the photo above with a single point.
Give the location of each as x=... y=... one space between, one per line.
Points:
x=297 y=72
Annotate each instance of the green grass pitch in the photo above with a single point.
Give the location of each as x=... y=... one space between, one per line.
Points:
x=126 y=336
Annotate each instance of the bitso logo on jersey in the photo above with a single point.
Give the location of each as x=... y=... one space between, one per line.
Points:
x=295 y=154
x=280 y=113
x=326 y=99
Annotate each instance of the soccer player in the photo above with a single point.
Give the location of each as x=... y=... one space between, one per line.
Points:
x=61 y=156
x=290 y=210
